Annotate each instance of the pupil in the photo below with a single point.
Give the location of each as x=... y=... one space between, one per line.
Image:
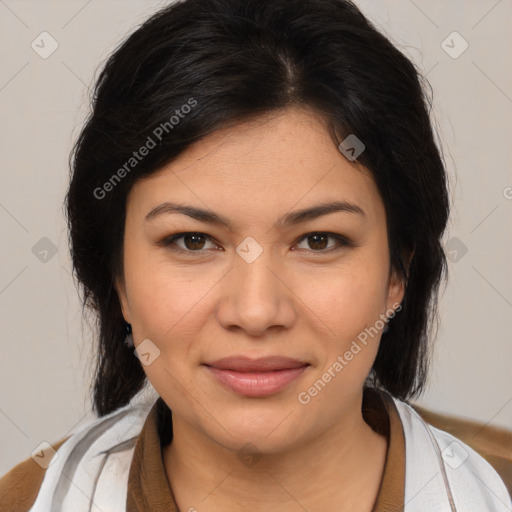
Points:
x=316 y=241
x=195 y=242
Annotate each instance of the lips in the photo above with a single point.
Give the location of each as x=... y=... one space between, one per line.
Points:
x=256 y=377
x=262 y=364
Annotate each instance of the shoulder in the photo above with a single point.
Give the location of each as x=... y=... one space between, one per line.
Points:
x=102 y=443
x=19 y=487
x=457 y=471
x=491 y=442
x=472 y=478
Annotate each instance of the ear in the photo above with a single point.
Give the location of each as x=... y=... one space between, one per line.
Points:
x=396 y=291
x=123 y=298
x=397 y=283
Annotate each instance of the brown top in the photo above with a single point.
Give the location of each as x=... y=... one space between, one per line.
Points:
x=149 y=489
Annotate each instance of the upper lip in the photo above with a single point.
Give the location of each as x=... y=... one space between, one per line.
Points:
x=262 y=364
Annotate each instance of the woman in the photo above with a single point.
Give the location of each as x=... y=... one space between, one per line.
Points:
x=255 y=213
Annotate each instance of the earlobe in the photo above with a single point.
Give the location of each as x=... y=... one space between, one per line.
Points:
x=398 y=283
x=396 y=290
x=121 y=293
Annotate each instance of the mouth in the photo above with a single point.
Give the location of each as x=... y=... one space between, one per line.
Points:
x=260 y=377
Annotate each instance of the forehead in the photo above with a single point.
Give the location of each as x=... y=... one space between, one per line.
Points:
x=277 y=162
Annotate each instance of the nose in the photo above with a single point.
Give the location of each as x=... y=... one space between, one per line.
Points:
x=256 y=297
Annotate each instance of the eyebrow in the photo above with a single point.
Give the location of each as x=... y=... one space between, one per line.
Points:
x=290 y=219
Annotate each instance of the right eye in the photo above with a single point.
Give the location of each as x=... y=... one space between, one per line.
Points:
x=190 y=242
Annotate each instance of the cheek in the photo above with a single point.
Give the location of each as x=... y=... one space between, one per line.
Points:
x=166 y=308
x=167 y=302
x=162 y=302
x=347 y=299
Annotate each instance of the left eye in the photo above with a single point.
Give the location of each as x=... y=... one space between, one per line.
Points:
x=318 y=242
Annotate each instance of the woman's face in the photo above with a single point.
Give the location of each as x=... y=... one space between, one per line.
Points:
x=263 y=281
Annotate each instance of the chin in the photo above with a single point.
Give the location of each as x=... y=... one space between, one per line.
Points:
x=269 y=430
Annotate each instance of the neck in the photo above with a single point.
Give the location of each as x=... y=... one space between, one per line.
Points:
x=339 y=470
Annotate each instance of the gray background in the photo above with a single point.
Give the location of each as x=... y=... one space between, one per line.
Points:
x=45 y=346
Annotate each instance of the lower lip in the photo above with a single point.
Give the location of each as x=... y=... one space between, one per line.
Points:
x=256 y=384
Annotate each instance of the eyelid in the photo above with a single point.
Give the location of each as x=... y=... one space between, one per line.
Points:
x=168 y=242
x=342 y=241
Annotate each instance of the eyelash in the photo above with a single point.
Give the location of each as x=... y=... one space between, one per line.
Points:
x=168 y=242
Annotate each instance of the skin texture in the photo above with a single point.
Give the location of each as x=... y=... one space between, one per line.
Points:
x=302 y=298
